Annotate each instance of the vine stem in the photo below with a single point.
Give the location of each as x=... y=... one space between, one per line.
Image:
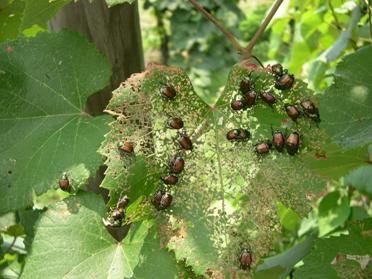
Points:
x=11 y=245
x=337 y=23
x=370 y=17
x=248 y=50
x=227 y=34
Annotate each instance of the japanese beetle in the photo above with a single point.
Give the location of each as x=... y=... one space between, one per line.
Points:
x=123 y=202
x=184 y=142
x=293 y=143
x=292 y=112
x=308 y=106
x=250 y=98
x=168 y=92
x=245 y=259
x=277 y=70
x=176 y=164
x=237 y=105
x=64 y=183
x=245 y=85
x=169 y=179
x=285 y=81
x=117 y=213
x=278 y=141
x=165 y=201
x=126 y=147
x=156 y=199
x=262 y=148
x=232 y=134
x=162 y=200
x=238 y=135
x=310 y=110
x=268 y=98
x=175 y=123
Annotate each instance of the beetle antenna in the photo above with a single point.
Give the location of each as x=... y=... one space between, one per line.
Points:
x=258 y=60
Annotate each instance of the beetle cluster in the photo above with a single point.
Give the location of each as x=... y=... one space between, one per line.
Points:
x=279 y=142
x=284 y=80
x=163 y=199
x=117 y=213
x=249 y=97
x=305 y=108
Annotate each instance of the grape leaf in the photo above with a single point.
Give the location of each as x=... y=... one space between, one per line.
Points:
x=11 y=13
x=346 y=105
x=111 y=3
x=72 y=237
x=360 y=179
x=334 y=210
x=220 y=204
x=340 y=257
x=45 y=82
x=27 y=219
x=38 y=12
x=333 y=161
x=20 y=15
x=279 y=266
x=288 y=218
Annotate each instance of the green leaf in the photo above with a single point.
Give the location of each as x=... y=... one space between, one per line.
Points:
x=308 y=224
x=15 y=230
x=111 y=3
x=72 y=237
x=358 y=213
x=333 y=161
x=28 y=220
x=343 y=40
x=279 y=266
x=7 y=220
x=347 y=104
x=11 y=13
x=341 y=257
x=155 y=261
x=45 y=83
x=226 y=196
x=360 y=179
x=334 y=210
x=288 y=218
x=38 y=12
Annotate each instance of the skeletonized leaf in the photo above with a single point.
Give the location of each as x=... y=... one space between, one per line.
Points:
x=225 y=198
